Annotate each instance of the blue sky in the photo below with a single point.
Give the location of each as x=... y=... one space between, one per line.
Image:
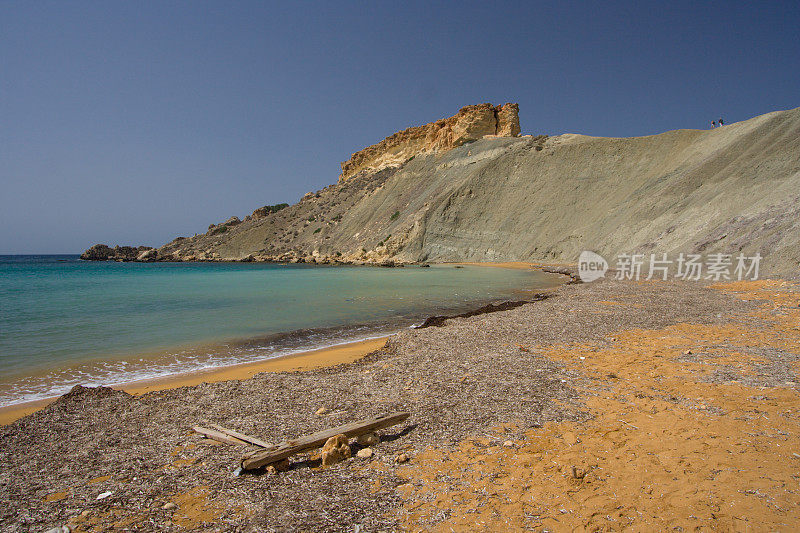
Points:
x=135 y=122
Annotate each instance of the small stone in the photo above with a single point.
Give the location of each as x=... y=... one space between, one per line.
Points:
x=368 y=439
x=321 y=411
x=280 y=466
x=59 y=529
x=366 y=453
x=169 y=506
x=402 y=458
x=336 y=449
x=570 y=438
x=578 y=473
x=687 y=352
x=508 y=444
x=104 y=495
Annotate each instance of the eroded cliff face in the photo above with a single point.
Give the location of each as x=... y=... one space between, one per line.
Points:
x=469 y=124
x=505 y=198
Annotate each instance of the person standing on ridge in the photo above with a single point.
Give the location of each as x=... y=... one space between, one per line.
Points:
x=713 y=124
x=720 y=123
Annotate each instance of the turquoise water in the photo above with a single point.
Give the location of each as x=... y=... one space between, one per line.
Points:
x=65 y=321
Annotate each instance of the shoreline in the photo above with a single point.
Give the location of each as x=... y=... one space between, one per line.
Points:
x=328 y=356
x=325 y=356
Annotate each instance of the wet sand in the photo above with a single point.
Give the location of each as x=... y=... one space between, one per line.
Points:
x=312 y=359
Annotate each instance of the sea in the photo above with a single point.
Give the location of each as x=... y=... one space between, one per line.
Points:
x=65 y=322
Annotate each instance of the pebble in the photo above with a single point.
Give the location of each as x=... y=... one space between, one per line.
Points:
x=321 y=411
x=402 y=458
x=104 y=495
x=368 y=439
x=687 y=352
x=169 y=506
x=508 y=444
x=366 y=453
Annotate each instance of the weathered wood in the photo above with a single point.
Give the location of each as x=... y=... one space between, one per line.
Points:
x=242 y=436
x=286 y=449
x=219 y=436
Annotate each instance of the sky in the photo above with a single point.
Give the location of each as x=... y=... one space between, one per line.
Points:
x=133 y=122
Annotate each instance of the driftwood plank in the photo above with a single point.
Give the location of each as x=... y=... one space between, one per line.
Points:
x=242 y=436
x=218 y=435
x=286 y=449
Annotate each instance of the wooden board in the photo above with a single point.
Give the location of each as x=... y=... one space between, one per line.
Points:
x=242 y=436
x=218 y=436
x=260 y=458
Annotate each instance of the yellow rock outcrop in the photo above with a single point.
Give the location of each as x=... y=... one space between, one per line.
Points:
x=469 y=124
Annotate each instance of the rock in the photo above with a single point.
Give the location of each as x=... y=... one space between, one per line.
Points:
x=578 y=473
x=280 y=466
x=368 y=439
x=508 y=120
x=98 y=252
x=469 y=124
x=402 y=458
x=233 y=221
x=570 y=438
x=335 y=450
x=101 y=252
x=169 y=506
x=59 y=529
x=508 y=444
x=366 y=453
x=148 y=255
x=321 y=411
x=104 y=495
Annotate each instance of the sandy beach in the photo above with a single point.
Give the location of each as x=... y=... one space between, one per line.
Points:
x=610 y=405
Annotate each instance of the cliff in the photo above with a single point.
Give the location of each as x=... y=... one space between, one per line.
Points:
x=469 y=124
x=505 y=198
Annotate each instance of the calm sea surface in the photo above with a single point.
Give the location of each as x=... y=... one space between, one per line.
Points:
x=64 y=321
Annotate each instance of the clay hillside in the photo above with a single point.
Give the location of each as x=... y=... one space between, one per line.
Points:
x=470 y=188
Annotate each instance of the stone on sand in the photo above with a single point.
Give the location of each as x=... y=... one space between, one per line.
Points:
x=335 y=450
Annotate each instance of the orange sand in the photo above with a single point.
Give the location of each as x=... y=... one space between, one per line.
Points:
x=664 y=449
x=332 y=356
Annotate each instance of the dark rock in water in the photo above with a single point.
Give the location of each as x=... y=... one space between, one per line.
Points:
x=102 y=252
x=98 y=252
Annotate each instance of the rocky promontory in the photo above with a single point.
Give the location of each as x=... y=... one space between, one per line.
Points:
x=102 y=252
